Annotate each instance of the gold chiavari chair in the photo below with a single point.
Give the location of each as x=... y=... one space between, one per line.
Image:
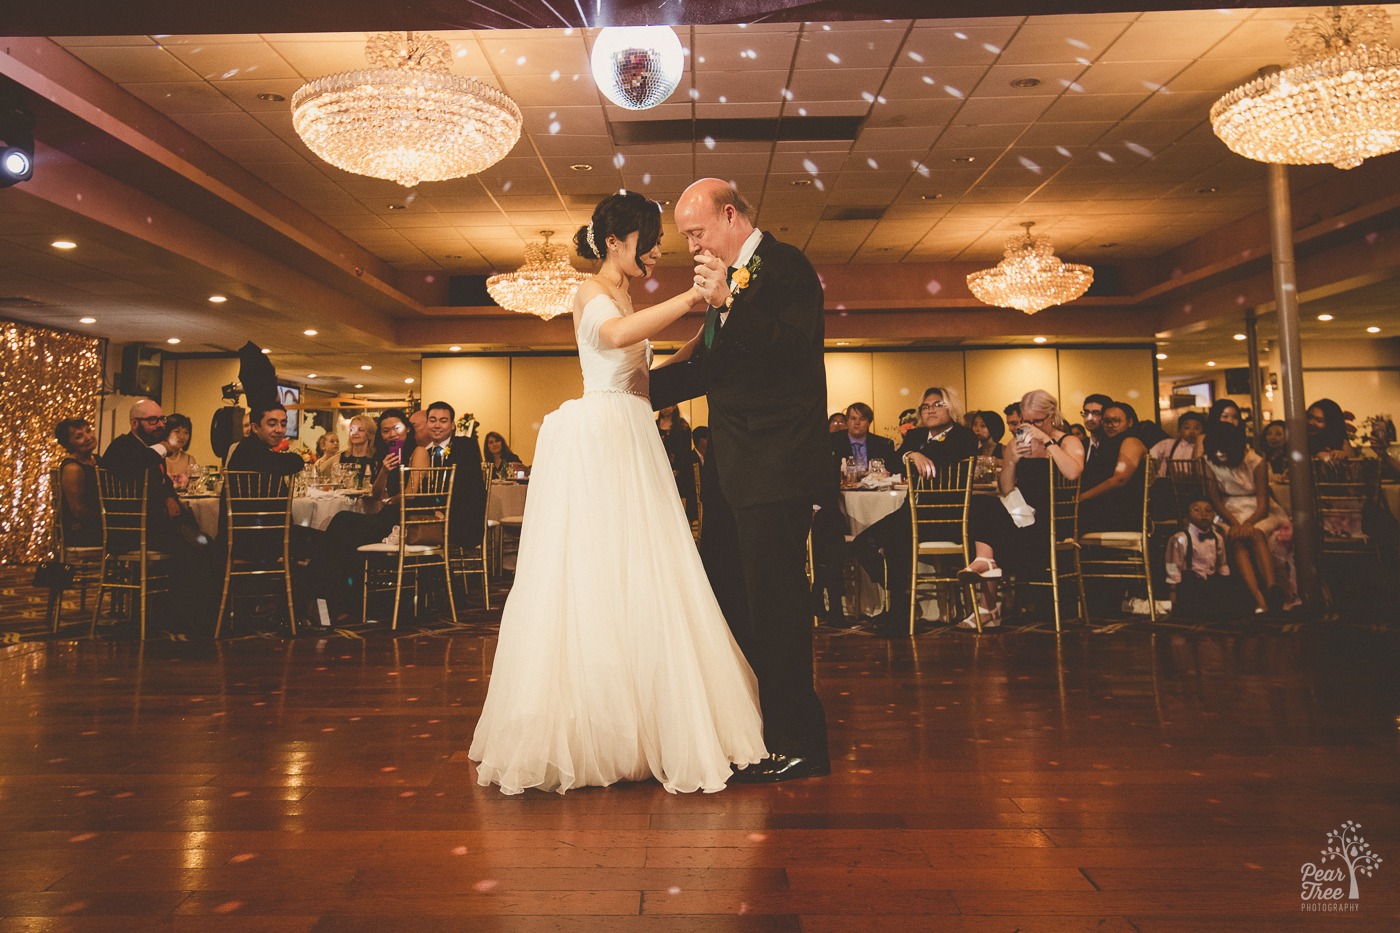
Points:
x=129 y=564
x=1188 y=478
x=938 y=510
x=257 y=518
x=696 y=525
x=423 y=542
x=85 y=561
x=1341 y=490
x=1063 y=528
x=1122 y=555
x=475 y=558
x=495 y=533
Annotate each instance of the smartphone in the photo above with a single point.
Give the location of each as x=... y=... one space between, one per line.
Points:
x=396 y=448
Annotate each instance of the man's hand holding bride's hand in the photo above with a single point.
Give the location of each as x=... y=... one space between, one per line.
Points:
x=710 y=279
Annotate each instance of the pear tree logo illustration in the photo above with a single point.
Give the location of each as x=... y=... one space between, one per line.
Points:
x=1327 y=886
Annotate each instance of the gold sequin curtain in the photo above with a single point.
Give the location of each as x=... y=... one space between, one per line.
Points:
x=45 y=376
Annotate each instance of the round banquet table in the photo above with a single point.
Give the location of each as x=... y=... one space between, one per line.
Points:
x=507 y=499
x=313 y=512
x=865 y=507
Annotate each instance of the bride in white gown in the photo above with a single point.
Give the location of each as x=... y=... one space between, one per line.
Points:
x=614 y=662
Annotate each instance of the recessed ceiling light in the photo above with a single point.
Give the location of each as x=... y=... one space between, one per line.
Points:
x=1038 y=340
x=172 y=340
x=1210 y=362
x=1161 y=356
x=218 y=299
x=963 y=159
x=1108 y=245
x=1369 y=330
x=931 y=197
x=1324 y=317
x=454 y=349
x=580 y=167
x=93 y=320
x=266 y=350
x=802 y=183
x=408 y=381
x=1026 y=82
x=359 y=385
x=1207 y=189
x=271 y=98
x=64 y=244
x=311 y=332
x=843 y=343
x=310 y=375
x=366 y=367
x=398 y=207
x=1241 y=337
x=452 y=257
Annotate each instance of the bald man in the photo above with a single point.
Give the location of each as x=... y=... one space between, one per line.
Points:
x=760 y=359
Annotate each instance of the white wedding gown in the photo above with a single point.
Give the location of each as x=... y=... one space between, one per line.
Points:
x=614 y=662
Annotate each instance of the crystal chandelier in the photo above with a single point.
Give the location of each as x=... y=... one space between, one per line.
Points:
x=406 y=117
x=544 y=286
x=1338 y=103
x=1030 y=278
x=637 y=67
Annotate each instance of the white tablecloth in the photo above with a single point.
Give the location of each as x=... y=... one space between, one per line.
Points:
x=507 y=499
x=864 y=508
x=311 y=512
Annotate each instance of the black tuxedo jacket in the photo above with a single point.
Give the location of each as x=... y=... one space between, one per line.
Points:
x=765 y=379
x=253 y=456
x=877 y=447
x=467 y=512
x=958 y=444
x=128 y=457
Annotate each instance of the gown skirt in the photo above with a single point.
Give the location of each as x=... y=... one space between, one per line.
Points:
x=614 y=662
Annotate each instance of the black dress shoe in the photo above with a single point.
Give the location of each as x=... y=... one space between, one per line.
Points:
x=781 y=768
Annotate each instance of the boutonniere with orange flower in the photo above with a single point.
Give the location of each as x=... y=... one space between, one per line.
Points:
x=741 y=278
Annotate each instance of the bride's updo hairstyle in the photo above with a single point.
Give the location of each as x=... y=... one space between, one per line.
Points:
x=618 y=215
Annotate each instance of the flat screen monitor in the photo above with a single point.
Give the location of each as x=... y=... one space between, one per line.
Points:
x=1203 y=391
x=291 y=396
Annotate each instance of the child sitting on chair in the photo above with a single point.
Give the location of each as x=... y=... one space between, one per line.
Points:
x=1197 y=569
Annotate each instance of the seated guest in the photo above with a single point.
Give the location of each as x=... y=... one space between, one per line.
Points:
x=327 y=453
x=1077 y=430
x=938 y=442
x=700 y=438
x=178 y=461
x=170 y=526
x=1327 y=431
x=858 y=444
x=836 y=424
x=1092 y=413
x=998 y=540
x=1013 y=416
x=360 y=454
x=1111 y=484
x=1222 y=411
x=1257 y=528
x=257 y=452
x=1197 y=569
x=1189 y=428
x=1273 y=447
x=989 y=428
x=467 y=509
x=675 y=440
x=498 y=452
x=392 y=448
x=77 y=478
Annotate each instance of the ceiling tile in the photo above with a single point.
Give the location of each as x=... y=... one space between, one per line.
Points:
x=183 y=97
x=126 y=64
x=954 y=45
x=221 y=61
x=742 y=51
x=1059 y=41
x=820 y=49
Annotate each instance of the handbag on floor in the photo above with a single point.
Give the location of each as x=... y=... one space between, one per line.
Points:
x=54 y=575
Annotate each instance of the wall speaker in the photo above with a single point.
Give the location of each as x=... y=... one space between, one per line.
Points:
x=141 y=371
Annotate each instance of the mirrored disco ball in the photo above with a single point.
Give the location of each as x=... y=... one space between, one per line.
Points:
x=637 y=66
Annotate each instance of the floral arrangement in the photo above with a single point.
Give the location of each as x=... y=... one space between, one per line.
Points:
x=742 y=278
x=467 y=425
x=307 y=454
x=1381 y=427
x=908 y=420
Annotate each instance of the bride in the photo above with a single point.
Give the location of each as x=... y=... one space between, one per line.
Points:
x=602 y=672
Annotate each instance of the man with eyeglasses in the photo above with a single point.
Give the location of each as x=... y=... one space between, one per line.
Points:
x=171 y=526
x=939 y=441
x=1093 y=423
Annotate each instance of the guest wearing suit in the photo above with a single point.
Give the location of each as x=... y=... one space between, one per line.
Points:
x=466 y=513
x=938 y=442
x=857 y=443
x=759 y=360
x=257 y=453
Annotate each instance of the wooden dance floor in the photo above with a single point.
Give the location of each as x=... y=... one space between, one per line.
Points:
x=1143 y=780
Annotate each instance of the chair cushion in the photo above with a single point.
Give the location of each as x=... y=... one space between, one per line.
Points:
x=1116 y=539
x=379 y=547
x=492 y=523
x=513 y=520
x=136 y=555
x=940 y=547
x=81 y=552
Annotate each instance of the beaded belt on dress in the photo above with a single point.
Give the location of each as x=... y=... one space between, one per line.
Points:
x=617 y=392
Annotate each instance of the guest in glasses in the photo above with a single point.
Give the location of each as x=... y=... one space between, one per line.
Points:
x=836 y=423
x=858 y=444
x=939 y=442
x=1092 y=414
x=998 y=539
x=1111 y=484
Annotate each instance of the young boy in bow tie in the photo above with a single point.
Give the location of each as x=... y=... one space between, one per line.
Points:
x=1197 y=569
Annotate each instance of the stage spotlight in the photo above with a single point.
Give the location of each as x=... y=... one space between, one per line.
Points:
x=16 y=165
x=16 y=134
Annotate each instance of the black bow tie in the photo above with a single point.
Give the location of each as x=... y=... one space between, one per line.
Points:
x=1204 y=536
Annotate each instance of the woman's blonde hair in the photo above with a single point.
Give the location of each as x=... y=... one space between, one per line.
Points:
x=368 y=425
x=1040 y=400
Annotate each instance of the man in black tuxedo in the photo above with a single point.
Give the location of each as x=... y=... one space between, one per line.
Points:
x=857 y=443
x=759 y=359
x=939 y=441
x=466 y=513
x=257 y=453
